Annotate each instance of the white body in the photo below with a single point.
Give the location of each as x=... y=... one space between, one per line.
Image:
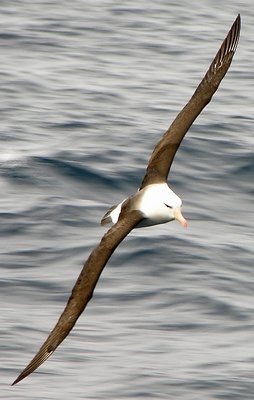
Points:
x=157 y=202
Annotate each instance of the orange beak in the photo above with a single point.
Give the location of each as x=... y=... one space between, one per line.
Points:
x=179 y=217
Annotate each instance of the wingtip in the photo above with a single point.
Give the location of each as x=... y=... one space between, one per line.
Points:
x=21 y=376
x=18 y=379
x=235 y=31
x=238 y=19
x=38 y=360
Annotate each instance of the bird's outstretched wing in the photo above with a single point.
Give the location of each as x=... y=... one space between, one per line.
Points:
x=83 y=289
x=164 y=152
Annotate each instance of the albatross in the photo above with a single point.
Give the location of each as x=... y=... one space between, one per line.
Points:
x=154 y=202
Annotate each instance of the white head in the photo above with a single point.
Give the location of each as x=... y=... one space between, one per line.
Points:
x=160 y=204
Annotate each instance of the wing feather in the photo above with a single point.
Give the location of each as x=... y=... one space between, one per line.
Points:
x=83 y=289
x=164 y=152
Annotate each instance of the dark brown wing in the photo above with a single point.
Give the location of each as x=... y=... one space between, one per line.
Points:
x=164 y=152
x=83 y=290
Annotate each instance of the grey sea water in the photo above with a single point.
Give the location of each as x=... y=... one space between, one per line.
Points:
x=87 y=89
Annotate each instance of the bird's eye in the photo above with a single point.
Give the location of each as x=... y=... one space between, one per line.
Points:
x=168 y=205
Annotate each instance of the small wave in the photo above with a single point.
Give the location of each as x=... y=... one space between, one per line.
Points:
x=74 y=170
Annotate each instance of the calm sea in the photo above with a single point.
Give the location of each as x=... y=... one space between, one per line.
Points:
x=87 y=89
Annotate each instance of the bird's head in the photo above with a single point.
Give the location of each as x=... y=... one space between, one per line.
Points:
x=173 y=203
x=160 y=204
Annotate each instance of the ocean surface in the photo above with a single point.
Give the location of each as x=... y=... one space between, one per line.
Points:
x=87 y=89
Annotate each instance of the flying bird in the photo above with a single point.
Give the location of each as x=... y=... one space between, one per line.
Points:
x=154 y=202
